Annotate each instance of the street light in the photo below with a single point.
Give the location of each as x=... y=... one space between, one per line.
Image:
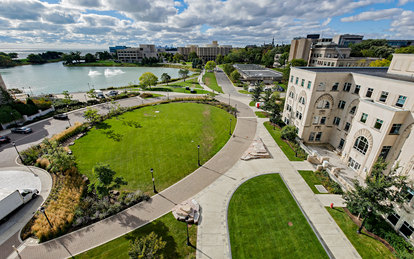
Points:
x=17 y=251
x=363 y=222
x=230 y=127
x=14 y=145
x=198 y=155
x=42 y=210
x=188 y=236
x=153 y=181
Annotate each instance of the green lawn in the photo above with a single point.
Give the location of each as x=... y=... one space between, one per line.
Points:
x=192 y=83
x=261 y=114
x=166 y=141
x=252 y=103
x=168 y=88
x=275 y=132
x=244 y=92
x=311 y=179
x=366 y=246
x=167 y=227
x=265 y=222
x=210 y=80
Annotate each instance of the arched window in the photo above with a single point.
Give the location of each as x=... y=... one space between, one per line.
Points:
x=323 y=104
x=302 y=100
x=353 y=110
x=361 y=144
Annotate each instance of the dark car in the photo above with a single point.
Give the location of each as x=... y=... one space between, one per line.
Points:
x=4 y=139
x=21 y=130
x=112 y=93
x=61 y=116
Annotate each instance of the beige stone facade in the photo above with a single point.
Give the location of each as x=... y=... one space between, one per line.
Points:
x=300 y=49
x=364 y=113
x=207 y=53
x=135 y=55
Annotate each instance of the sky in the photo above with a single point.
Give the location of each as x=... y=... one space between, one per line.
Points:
x=69 y=24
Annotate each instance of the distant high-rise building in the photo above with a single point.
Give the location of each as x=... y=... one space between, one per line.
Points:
x=114 y=49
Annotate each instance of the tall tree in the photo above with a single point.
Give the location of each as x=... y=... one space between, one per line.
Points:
x=165 y=78
x=67 y=97
x=219 y=59
x=210 y=65
x=89 y=58
x=382 y=191
x=191 y=56
x=257 y=92
x=106 y=180
x=147 y=80
x=92 y=115
x=183 y=73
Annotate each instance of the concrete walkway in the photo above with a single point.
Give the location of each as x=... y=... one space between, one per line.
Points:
x=160 y=204
x=212 y=234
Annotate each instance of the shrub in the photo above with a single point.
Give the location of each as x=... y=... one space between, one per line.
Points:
x=288 y=132
x=68 y=133
x=328 y=183
x=146 y=95
x=148 y=246
x=31 y=154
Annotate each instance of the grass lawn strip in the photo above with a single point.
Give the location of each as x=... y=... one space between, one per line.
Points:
x=166 y=141
x=167 y=227
x=265 y=222
x=276 y=134
x=311 y=179
x=209 y=78
x=366 y=246
x=262 y=114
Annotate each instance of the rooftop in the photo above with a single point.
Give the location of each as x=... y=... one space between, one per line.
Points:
x=371 y=71
x=256 y=71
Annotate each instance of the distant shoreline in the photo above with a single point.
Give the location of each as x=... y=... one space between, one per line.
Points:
x=97 y=64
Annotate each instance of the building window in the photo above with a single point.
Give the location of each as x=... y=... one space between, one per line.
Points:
x=341 y=143
x=361 y=144
x=353 y=110
x=341 y=104
x=323 y=120
x=323 y=104
x=383 y=96
x=364 y=117
x=302 y=83
x=315 y=120
x=291 y=94
x=406 y=229
x=291 y=79
x=347 y=126
x=357 y=88
x=318 y=136
x=395 y=129
x=369 y=92
x=347 y=87
x=297 y=80
x=312 y=136
x=394 y=218
x=298 y=115
x=335 y=87
x=401 y=101
x=309 y=84
x=336 y=121
x=302 y=100
x=353 y=164
x=378 y=124
x=384 y=152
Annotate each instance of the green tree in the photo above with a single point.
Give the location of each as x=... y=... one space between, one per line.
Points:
x=382 y=191
x=183 y=73
x=192 y=55
x=165 y=78
x=104 y=55
x=210 y=65
x=380 y=63
x=235 y=76
x=91 y=93
x=288 y=132
x=147 y=80
x=68 y=59
x=268 y=57
x=274 y=108
x=13 y=55
x=89 y=58
x=257 y=93
x=60 y=160
x=6 y=61
x=298 y=63
x=283 y=58
x=106 y=180
x=219 y=59
x=407 y=50
x=35 y=59
x=67 y=97
x=177 y=57
x=228 y=69
x=197 y=63
x=146 y=247
x=92 y=115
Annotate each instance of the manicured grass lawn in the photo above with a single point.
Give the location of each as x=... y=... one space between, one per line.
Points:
x=261 y=114
x=366 y=246
x=166 y=141
x=210 y=80
x=192 y=83
x=244 y=92
x=265 y=222
x=252 y=103
x=289 y=152
x=167 y=227
x=311 y=179
x=153 y=96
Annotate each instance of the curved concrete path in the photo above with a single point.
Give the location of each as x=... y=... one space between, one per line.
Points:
x=160 y=204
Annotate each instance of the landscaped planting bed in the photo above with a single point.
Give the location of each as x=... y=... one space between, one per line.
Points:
x=265 y=222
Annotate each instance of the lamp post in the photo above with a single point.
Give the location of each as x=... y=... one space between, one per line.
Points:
x=14 y=119
x=229 y=99
x=363 y=222
x=42 y=210
x=230 y=127
x=17 y=251
x=14 y=145
x=67 y=107
x=198 y=155
x=153 y=180
x=188 y=236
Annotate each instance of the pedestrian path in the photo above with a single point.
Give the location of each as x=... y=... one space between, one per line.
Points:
x=212 y=234
x=160 y=204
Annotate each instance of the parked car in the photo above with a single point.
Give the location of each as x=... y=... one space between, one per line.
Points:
x=61 y=116
x=112 y=93
x=4 y=139
x=21 y=130
x=99 y=94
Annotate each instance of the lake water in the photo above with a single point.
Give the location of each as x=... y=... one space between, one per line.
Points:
x=56 y=78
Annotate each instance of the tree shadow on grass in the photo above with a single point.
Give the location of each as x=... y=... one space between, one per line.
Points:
x=159 y=228
x=102 y=125
x=112 y=135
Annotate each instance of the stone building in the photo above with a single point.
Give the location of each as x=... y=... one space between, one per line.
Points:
x=135 y=55
x=206 y=53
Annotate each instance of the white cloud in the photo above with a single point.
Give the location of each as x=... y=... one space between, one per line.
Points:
x=373 y=15
x=403 y=2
